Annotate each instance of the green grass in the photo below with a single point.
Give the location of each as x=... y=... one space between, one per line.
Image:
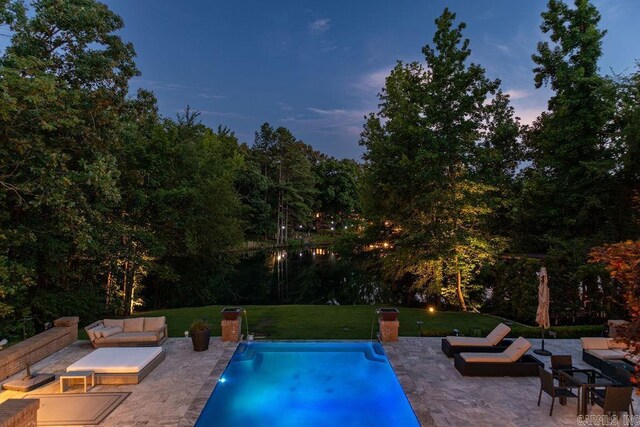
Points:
x=326 y=321
x=281 y=322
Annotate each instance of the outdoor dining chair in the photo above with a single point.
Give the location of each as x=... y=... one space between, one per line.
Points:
x=613 y=400
x=556 y=392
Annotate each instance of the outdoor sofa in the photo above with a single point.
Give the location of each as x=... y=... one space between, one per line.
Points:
x=494 y=342
x=597 y=350
x=136 y=332
x=512 y=362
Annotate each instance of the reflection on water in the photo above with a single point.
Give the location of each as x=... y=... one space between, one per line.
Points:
x=310 y=275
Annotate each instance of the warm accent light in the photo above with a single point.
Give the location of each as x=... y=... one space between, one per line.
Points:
x=432 y=310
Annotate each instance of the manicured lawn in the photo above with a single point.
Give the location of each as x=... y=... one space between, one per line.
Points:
x=327 y=322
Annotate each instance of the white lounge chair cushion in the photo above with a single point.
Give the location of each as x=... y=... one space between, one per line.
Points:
x=595 y=343
x=486 y=357
x=607 y=354
x=516 y=350
x=498 y=334
x=116 y=360
x=468 y=341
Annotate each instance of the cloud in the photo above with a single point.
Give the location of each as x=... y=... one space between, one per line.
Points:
x=528 y=114
x=335 y=121
x=224 y=114
x=176 y=87
x=284 y=106
x=517 y=94
x=320 y=25
x=210 y=96
x=373 y=81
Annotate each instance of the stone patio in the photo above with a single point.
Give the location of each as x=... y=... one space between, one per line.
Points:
x=177 y=390
x=441 y=396
x=173 y=394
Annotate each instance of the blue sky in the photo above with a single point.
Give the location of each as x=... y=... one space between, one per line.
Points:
x=315 y=67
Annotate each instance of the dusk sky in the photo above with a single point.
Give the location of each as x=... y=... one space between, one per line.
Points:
x=316 y=67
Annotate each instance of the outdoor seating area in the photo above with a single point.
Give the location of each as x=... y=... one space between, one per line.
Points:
x=134 y=332
x=164 y=397
x=175 y=391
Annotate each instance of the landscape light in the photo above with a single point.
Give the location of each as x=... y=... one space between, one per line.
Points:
x=432 y=310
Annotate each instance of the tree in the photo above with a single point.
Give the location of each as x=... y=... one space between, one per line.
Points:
x=337 y=185
x=568 y=202
x=435 y=151
x=285 y=161
x=622 y=260
x=65 y=78
x=567 y=191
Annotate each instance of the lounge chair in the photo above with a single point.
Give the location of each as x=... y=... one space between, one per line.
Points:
x=494 y=342
x=596 y=350
x=512 y=362
x=120 y=365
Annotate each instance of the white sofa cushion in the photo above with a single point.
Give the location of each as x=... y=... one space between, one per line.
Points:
x=154 y=323
x=93 y=332
x=107 y=332
x=113 y=322
x=134 y=325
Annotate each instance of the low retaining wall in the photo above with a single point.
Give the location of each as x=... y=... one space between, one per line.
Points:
x=19 y=413
x=36 y=348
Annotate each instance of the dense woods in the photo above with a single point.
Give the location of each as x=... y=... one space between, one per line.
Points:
x=108 y=206
x=482 y=201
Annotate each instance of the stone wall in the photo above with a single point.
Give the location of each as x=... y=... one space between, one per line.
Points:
x=14 y=359
x=19 y=413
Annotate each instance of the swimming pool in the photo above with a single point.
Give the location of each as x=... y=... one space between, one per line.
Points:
x=308 y=384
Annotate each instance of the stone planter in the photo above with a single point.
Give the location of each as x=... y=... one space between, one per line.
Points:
x=388 y=314
x=200 y=339
x=231 y=313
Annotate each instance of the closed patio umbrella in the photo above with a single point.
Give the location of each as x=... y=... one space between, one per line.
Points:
x=542 y=314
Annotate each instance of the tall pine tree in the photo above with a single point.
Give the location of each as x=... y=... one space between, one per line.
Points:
x=432 y=169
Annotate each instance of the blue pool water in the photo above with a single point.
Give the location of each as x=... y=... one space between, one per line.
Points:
x=308 y=384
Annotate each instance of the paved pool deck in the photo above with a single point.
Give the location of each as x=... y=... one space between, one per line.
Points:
x=441 y=396
x=175 y=392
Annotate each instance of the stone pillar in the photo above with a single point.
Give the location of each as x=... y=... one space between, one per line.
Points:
x=69 y=323
x=19 y=413
x=231 y=330
x=388 y=330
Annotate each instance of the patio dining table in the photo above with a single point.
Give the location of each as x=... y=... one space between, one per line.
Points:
x=586 y=379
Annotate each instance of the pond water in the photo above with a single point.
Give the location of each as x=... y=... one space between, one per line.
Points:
x=307 y=275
